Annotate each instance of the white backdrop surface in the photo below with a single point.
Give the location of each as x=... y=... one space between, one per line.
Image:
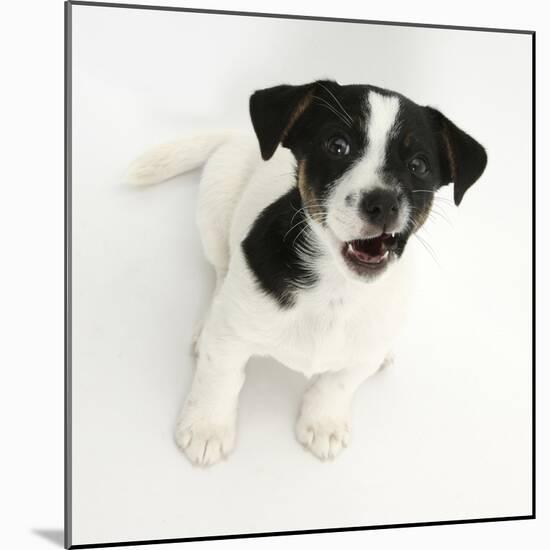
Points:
x=31 y=292
x=444 y=434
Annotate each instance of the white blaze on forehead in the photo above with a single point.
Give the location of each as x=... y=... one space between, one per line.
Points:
x=381 y=121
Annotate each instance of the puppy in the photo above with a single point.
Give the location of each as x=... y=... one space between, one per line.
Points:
x=309 y=245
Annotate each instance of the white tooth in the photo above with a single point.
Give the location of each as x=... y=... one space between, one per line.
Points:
x=385 y=254
x=350 y=247
x=393 y=235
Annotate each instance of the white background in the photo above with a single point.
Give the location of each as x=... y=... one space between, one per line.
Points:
x=33 y=292
x=444 y=434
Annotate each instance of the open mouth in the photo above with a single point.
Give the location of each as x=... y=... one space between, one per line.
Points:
x=369 y=254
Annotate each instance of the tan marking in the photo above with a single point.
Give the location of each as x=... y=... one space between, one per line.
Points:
x=310 y=202
x=297 y=113
x=423 y=215
x=450 y=155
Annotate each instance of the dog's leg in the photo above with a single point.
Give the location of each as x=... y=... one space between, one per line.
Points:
x=324 y=423
x=197 y=331
x=206 y=426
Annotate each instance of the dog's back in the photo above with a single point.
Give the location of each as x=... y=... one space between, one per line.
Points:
x=228 y=160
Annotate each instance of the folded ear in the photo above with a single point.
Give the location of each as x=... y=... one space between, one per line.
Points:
x=462 y=158
x=275 y=110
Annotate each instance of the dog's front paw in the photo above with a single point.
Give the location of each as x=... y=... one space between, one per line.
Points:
x=324 y=436
x=205 y=441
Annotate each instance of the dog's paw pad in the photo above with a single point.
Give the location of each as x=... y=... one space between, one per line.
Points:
x=324 y=437
x=205 y=443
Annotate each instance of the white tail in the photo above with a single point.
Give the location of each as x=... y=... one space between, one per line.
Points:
x=171 y=159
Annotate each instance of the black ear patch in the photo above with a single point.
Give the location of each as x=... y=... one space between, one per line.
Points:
x=275 y=110
x=462 y=158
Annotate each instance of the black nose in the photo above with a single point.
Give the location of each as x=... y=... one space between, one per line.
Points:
x=380 y=207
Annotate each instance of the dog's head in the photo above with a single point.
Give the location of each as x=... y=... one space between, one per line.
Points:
x=368 y=164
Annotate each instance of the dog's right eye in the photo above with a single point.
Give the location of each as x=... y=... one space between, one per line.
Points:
x=337 y=146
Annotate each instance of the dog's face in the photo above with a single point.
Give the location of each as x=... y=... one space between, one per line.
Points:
x=368 y=163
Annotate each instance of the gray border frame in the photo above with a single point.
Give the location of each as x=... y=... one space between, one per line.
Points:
x=68 y=274
x=68 y=277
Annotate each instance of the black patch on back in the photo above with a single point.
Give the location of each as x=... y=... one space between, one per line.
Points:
x=274 y=249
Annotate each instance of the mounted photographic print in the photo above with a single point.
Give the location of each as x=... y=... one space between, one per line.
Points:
x=299 y=274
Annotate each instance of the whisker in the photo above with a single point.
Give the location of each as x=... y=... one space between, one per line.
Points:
x=285 y=174
x=337 y=101
x=444 y=201
x=304 y=210
x=336 y=113
x=433 y=210
x=308 y=204
x=428 y=248
x=440 y=216
x=432 y=192
x=301 y=231
x=295 y=225
x=326 y=104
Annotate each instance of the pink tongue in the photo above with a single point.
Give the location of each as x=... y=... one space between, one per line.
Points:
x=366 y=258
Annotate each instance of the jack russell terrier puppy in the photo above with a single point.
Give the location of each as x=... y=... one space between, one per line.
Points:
x=308 y=243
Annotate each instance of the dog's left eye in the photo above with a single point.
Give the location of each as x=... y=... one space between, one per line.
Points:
x=337 y=146
x=418 y=166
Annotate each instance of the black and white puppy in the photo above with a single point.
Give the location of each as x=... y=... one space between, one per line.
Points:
x=310 y=247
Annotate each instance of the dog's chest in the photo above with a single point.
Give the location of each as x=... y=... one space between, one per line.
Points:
x=333 y=327
x=320 y=337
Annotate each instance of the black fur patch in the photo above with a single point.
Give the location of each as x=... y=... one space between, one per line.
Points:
x=274 y=249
